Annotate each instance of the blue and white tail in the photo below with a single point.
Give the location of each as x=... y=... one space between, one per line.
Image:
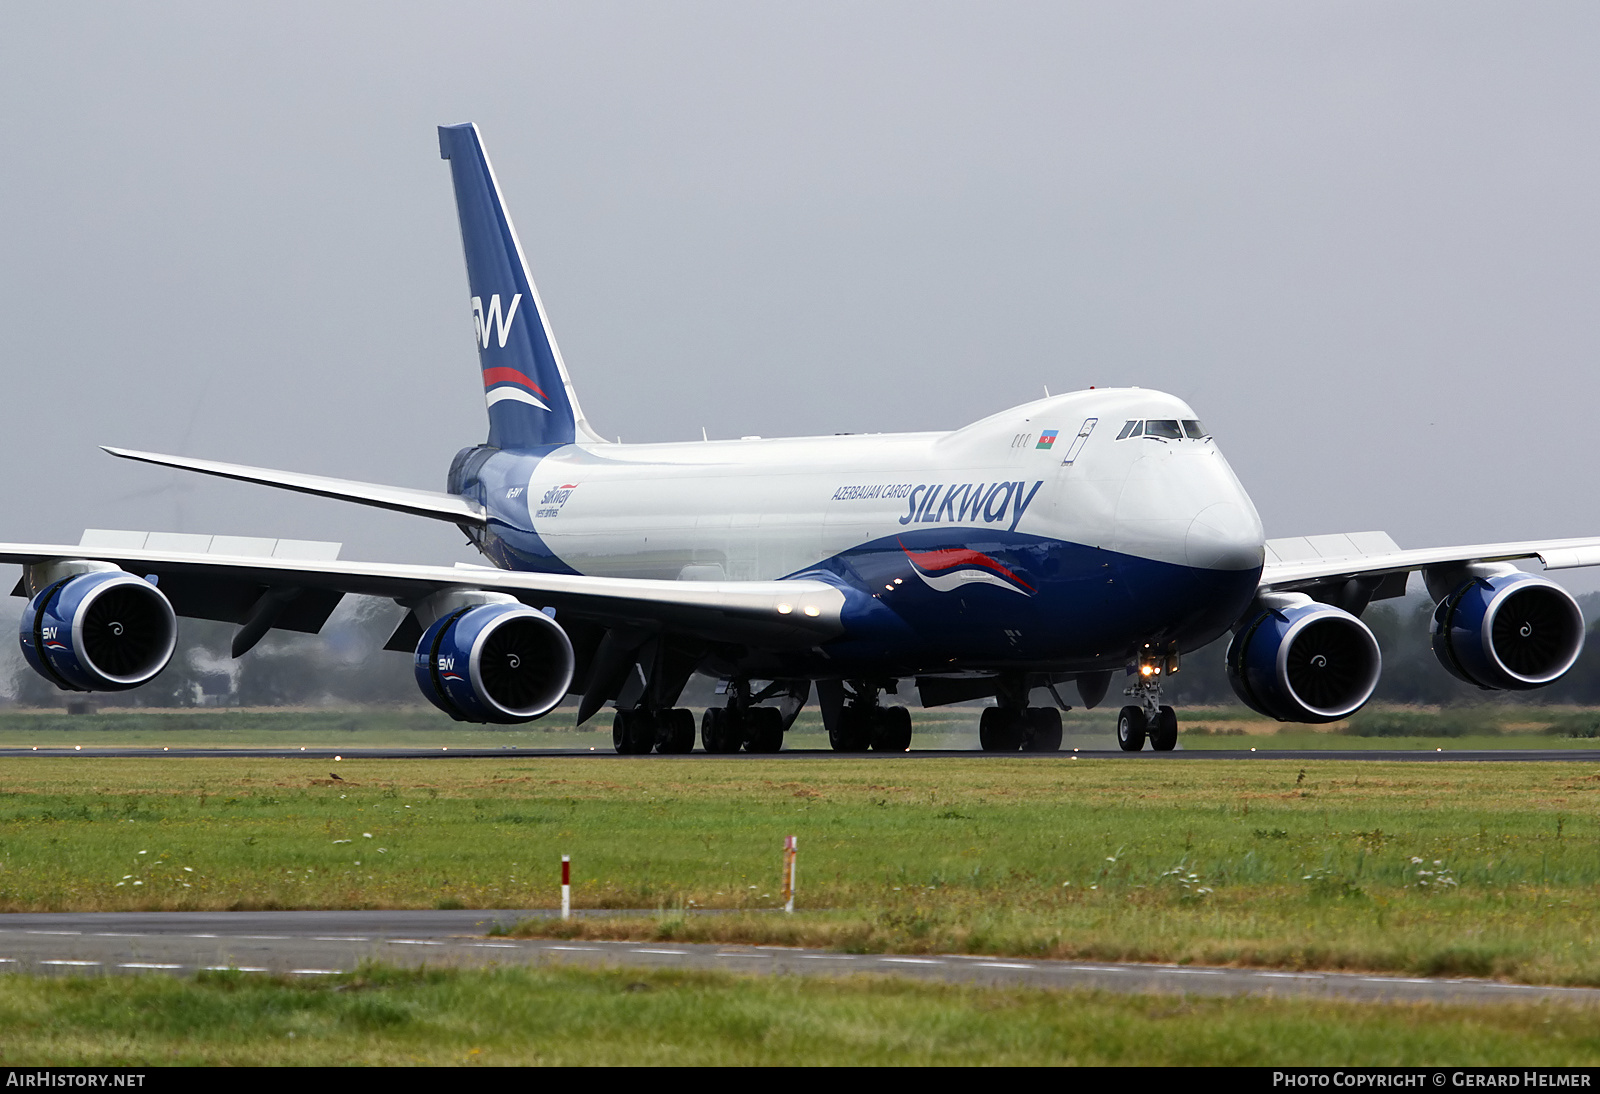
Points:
x=530 y=397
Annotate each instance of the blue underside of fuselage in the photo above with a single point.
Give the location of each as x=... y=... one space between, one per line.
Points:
x=954 y=599
x=1039 y=603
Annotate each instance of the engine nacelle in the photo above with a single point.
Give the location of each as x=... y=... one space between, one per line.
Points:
x=501 y=663
x=1305 y=662
x=101 y=631
x=1510 y=631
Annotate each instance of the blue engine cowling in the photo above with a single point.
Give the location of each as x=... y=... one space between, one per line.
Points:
x=1308 y=663
x=1510 y=632
x=103 y=631
x=500 y=663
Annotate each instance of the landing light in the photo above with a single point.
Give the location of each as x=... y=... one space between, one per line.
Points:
x=813 y=611
x=785 y=609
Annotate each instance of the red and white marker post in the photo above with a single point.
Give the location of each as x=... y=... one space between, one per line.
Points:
x=789 y=849
x=566 y=886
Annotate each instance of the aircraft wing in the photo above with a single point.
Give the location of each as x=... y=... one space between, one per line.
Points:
x=1305 y=562
x=419 y=503
x=204 y=584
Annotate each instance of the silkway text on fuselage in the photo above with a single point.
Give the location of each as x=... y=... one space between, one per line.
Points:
x=958 y=503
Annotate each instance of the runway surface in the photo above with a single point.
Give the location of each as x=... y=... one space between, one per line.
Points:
x=327 y=943
x=1529 y=755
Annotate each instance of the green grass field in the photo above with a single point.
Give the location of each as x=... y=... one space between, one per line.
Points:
x=567 y=1016
x=1477 y=869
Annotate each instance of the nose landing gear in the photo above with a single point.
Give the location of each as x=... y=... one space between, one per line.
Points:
x=1147 y=718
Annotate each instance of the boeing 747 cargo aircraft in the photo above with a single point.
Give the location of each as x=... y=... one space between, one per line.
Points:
x=1082 y=542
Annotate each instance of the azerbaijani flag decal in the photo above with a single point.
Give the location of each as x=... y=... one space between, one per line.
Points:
x=947 y=570
x=1047 y=439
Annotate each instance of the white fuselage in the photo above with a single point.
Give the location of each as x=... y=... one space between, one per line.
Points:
x=761 y=509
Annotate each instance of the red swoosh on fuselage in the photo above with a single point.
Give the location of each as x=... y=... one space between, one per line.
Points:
x=952 y=557
x=509 y=376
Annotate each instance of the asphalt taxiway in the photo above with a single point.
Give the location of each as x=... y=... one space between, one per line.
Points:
x=328 y=943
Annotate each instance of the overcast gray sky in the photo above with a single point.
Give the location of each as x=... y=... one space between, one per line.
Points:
x=1360 y=238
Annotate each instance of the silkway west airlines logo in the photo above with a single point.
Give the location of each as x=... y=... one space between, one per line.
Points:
x=500 y=384
x=490 y=323
x=948 y=570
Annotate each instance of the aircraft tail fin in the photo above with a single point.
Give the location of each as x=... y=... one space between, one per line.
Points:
x=530 y=398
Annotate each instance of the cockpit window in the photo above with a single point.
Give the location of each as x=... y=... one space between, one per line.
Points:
x=1164 y=428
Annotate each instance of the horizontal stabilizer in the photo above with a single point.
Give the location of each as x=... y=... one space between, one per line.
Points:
x=420 y=503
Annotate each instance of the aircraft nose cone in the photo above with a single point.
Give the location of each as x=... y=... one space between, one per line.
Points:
x=1225 y=536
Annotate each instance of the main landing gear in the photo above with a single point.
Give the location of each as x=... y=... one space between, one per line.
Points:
x=861 y=723
x=639 y=731
x=1146 y=718
x=1013 y=725
x=744 y=725
x=1026 y=729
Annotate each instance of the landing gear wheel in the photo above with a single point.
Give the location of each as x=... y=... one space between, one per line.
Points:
x=675 y=733
x=1131 y=729
x=1164 y=734
x=852 y=730
x=1000 y=729
x=718 y=731
x=633 y=732
x=763 y=729
x=1044 y=730
x=891 y=730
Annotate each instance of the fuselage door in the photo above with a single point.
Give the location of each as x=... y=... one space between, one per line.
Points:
x=1078 y=441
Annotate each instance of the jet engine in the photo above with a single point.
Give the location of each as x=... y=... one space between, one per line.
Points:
x=496 y=662
x=1303 y=662
x=1509 y=631
x=100 y=631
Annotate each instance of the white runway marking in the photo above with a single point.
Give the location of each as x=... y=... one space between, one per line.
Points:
x=235 y=968
x=1000 y=965
x=587 y=949
x=411 y=942
x=911 y=960
x=64 y=962
x=670 y=953
x=146 y=965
